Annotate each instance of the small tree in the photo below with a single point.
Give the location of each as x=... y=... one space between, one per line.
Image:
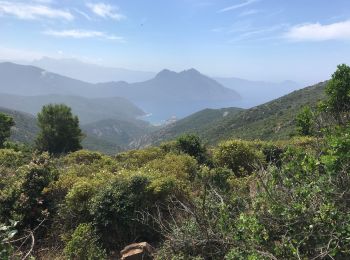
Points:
x=60 y=131
x=6 y=122
x=338 y=92
x=192 y=145
x=305 y=121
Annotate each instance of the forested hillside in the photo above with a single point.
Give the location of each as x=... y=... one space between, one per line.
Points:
x=25 y=129
x=88 y=109
x=271 y=121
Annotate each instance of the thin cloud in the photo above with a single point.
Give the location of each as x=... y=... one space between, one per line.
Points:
x=260 y=33
x=249 y=12
x=85 y=15
x=106 y=11
x=237 y=6
x=27 y=11
x=319 y=32
x=83 y=34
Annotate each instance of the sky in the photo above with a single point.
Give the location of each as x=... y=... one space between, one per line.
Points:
x=274 y=40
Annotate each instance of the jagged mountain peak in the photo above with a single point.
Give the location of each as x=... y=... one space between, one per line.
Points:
x=165 y=73
x=191 y=71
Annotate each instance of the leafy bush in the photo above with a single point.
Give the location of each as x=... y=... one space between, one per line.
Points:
x=192 y=145
x=83 y=157
x=183 y=166
x=33 y=204
x=118 y=208
x=304 y=121
x=6 y=234
x=239 y=156
x=84 y=244
x=11 y=158
x=338 y=94
x=137 y=158
x=77 y=202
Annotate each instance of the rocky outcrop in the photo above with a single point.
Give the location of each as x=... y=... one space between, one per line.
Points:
x=137 y=251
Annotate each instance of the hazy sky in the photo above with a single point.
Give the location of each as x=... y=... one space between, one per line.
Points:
x=301 y=40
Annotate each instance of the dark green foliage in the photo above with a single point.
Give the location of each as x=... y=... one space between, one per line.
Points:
x=304 y=121
x=338 y=154
x=84 y=244
x=192 y=145
x=338 y=93
x=117 y=211
x=60 y=132
x=23 y=195
x=33 y=204
x=305 y=204
x=273 y=152
x=6 y=234
x=6 y=122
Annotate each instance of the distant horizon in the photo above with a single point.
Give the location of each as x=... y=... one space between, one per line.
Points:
x=30 y=63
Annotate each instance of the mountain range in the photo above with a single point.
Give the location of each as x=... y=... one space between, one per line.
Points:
x=87 y=109
x=168 y=94
x=253 y=93
x=176 y=94
x=89 y=72
x=274 y=120
x=112 y=114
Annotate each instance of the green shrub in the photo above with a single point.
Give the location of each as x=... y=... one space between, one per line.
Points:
x=119 y=207
x=33 y=203
x=238 y=156
x=305 y=121
x=192 y=145
x=183 y=166
x=6 y=234
x=10 y=189
x=77 y=203
x=84 y=245
x=83 y=157
x=137 y=158
x=11 y=158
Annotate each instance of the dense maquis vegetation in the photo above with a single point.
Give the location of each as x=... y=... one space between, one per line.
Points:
x=238 y=200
